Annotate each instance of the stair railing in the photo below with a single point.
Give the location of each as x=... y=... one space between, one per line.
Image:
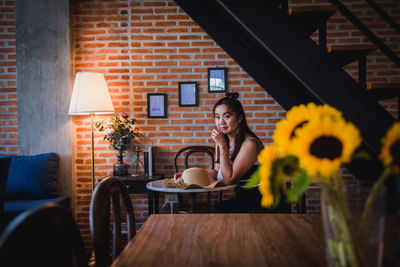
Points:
x=384 y=15
x=367 y=32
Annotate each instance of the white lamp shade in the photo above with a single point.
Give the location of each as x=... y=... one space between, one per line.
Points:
x=90 y=95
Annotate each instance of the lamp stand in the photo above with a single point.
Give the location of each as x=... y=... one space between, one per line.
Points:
x=91 y=115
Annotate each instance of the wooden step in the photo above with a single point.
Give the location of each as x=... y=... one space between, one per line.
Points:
x=346 y=54
x=382 y=91
x=310 y=17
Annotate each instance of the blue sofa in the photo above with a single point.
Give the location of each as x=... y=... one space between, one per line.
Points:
x=31 y=182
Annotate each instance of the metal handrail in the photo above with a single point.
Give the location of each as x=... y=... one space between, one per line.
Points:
x=384 y=15
x=367 y=32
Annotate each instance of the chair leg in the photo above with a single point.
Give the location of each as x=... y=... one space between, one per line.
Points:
x=301 y=206
x=180 y=201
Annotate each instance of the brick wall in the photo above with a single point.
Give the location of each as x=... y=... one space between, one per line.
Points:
x=8 y=80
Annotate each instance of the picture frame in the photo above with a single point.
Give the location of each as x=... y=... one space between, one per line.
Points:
x=188 y=94
x=217 y=80
x=156 y=105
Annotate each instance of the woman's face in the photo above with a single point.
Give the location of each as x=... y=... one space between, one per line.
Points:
x=226 y=121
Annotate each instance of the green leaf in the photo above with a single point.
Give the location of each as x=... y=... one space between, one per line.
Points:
x=277 y=199
x=287 y=168
x=274 y=179
x=300 y=186
x=361 y=154
x=254 y=179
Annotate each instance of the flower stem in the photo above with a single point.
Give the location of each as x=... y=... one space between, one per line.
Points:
x=120 y=156
x=343 y=247
x=376 y=189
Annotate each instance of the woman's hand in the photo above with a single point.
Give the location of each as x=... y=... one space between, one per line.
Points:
x=218 y=138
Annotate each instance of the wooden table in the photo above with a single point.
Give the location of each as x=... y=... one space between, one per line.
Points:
x=227 y=240
x=158 y=186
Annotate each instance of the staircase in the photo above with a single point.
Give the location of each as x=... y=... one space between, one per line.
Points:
x=313 y=18
x=274 y=46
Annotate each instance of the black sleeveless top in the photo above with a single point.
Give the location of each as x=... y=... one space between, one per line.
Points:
x=243 y=180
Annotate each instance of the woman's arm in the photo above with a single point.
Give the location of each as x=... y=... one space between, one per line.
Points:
x=214 y=172
x=244 y=160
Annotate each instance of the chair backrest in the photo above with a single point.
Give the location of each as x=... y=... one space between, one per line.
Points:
x=111 y=190
x=4 y=167
x=301 y=206
x=187 y=151
x=44 y=236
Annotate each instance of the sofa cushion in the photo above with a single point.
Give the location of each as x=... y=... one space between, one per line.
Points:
x=32 y=177
x=14 y=207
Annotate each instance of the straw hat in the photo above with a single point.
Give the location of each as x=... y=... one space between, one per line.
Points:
x=193 y=178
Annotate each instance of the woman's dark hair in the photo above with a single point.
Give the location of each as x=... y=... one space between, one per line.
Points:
x=234 y=106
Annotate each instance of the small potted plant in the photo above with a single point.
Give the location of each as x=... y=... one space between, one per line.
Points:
x=120 y=132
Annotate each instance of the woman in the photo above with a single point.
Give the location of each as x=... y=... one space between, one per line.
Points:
x=236 y=148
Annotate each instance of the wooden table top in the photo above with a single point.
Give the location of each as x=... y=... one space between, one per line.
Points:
x=227 y=240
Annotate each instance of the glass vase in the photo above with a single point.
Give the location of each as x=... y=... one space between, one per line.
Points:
x=348 y=241
x=120 y=168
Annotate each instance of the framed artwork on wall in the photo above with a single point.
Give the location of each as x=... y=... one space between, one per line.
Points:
x=188 y=94
x=217 y=80
x=156 y=105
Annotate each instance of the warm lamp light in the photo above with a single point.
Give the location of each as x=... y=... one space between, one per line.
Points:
x=90 y=96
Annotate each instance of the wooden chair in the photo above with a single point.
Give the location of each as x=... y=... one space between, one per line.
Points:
x=4 y=167
x=193 y=149
x=111 y=190
x=44 y=236
x=301 y=206
x=186 y=152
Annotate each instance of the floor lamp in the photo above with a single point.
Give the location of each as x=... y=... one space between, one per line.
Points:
x=90 y=96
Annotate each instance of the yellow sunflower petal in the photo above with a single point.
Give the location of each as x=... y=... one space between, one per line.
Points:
x=268 y=154
x=326 y=110
x=324 y=144
x=267 y=198
x=266 y=157
x=390 y=147
x=296 y=117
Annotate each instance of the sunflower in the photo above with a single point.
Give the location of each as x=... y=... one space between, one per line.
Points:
x=326 y=110
x=266 y=157
x=297 y=117
x=285 y=128
x=390 y=153
x=324 y=144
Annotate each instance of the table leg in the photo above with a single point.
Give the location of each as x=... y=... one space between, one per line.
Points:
x=150 y=199
x=156 y=197
x=192 y=202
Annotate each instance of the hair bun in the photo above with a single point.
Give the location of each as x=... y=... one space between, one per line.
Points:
x=233 y=95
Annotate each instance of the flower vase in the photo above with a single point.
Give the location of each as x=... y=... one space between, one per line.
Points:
x=120 y=168
x=349 y=242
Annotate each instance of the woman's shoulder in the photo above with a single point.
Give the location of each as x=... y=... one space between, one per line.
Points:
x=249 y=137
x=253 y=139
